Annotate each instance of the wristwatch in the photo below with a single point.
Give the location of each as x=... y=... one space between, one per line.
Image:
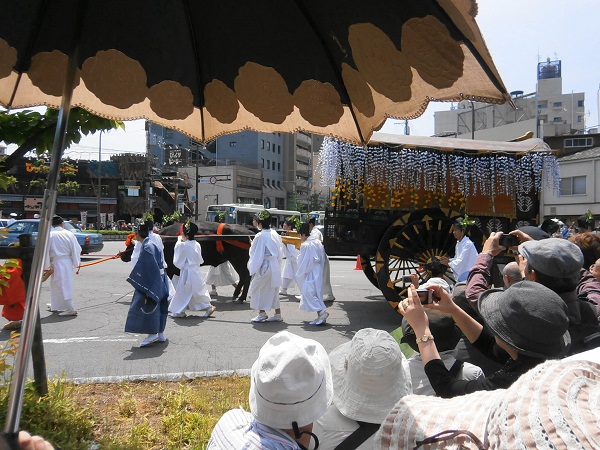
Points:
x=425 y=338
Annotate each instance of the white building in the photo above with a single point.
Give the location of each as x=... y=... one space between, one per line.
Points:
x=555 y=112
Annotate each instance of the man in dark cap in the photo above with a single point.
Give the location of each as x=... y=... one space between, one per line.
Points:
x=64 y=253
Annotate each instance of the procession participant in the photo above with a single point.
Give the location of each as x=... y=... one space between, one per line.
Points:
x=191 y=291
x=327 y=289
x=290 y=388
x=465 y=252
x=149 y=306
x=224 y=274
x=64 y=253
x=309 y=276
x=12 y=296
x=264 y=265
x=290 y=266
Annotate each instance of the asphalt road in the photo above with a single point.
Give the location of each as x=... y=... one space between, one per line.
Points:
x=93 y=344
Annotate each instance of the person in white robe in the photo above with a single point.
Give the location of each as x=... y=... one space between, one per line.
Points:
x=465 y=252
x=290 y=265
x=327 y=289
x=64 y=253
x=309 y=276
x=191 y=291
x=222 y=275
x=264 y=265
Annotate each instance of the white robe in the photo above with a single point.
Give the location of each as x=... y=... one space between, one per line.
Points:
x=264 y=265
x=309 y=277
x=464 y=257
x=290 y=265
x=222 y=275
x=64 y=253
x=327 y=289
x=191 y=291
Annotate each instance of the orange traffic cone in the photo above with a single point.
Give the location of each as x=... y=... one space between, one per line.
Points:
x=358 y=266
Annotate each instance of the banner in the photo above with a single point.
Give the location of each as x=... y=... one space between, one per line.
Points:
x=83 y=215
x=111 y=217
x=103 y=218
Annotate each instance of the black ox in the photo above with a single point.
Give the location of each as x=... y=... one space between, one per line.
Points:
x=215 y=249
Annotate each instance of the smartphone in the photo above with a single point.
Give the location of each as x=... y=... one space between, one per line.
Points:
x=406 y=279
x=508 y=240
x=425 y=295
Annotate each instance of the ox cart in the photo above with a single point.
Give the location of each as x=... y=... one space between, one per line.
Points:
x=394 y=202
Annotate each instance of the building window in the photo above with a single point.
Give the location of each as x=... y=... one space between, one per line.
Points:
x=268 y=164
x=557 y=104
x=543 y=104
x=580 y=103
x=579 y=118
x=268 y=146
x=262 y=143
x=262 y=161
x=232 y=144
x=278 y=184
x=572 y=186
x=558 y=119
x=279 y=149
x=579 y=142
x=278 y=167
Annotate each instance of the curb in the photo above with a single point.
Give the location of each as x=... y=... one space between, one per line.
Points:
x=162 y=377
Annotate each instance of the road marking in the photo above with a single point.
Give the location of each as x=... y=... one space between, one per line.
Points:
x=89 y=339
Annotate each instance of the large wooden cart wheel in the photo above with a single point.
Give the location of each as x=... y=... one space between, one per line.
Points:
x=407 y=248
x=368 y=267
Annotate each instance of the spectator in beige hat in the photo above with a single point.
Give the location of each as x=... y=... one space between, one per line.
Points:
x=370 y=374
x=552 y=406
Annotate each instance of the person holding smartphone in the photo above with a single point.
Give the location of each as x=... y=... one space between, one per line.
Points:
x=524 y=325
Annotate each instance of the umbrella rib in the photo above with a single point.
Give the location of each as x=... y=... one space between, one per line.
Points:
x=198 y=71
x=332 y=63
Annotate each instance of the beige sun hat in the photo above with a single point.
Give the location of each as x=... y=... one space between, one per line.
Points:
x=290 y=382
x=370 y=374
x=555 y=405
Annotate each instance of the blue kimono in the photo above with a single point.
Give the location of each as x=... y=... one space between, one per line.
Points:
x=149 y=306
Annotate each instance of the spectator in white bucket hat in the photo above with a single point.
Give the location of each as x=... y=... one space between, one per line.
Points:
x=290 y=388
x=370 y=374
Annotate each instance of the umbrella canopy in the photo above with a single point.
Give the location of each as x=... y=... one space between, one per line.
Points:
x=335 y=67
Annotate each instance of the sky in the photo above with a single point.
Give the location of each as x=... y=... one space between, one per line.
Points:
x=518 y=33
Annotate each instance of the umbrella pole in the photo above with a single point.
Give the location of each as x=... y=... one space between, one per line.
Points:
x=15 y=401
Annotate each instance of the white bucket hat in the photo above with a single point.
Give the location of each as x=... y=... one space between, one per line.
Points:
x=370 y=374
x=290 y=382
x=554 y=405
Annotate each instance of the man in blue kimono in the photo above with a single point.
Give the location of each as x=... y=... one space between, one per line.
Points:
x=149 y=306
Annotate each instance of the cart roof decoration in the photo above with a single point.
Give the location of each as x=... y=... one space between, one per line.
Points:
x=469 y=167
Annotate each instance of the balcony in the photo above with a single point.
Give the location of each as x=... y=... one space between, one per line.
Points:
x=302 y=154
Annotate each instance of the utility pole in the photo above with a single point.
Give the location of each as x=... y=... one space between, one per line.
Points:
x=99 y=178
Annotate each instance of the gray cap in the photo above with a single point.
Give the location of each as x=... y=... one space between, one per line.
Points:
x=529 y=317
x=554 y=257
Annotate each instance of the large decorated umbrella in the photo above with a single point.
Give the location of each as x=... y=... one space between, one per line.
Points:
x=333 y=67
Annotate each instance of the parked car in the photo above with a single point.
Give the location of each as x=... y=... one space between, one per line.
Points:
x=90 y=242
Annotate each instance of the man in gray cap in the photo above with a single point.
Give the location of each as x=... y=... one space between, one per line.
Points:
x=557 y=263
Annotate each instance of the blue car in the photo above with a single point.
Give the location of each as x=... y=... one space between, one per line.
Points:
x=9 y=236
